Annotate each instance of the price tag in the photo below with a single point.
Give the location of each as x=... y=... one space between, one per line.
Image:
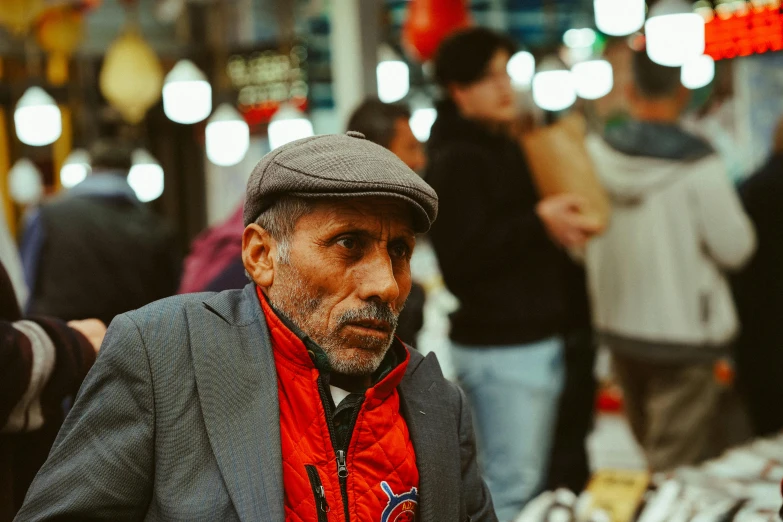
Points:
x=618 y=492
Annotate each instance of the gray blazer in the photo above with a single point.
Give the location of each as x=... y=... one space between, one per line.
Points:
x=179 y=420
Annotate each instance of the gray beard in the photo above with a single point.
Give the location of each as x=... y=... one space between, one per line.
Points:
x=301 y=306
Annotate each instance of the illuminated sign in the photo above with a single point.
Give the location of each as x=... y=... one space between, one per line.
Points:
x=266 y=79
x=743 y=29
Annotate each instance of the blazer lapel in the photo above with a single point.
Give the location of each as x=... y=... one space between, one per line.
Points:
x=431 y=425
x=237 y=387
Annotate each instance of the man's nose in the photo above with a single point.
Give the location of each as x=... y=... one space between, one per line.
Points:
x=376 y=280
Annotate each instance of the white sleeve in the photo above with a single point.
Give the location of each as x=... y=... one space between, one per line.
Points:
x=26 y=414
x=726 y=230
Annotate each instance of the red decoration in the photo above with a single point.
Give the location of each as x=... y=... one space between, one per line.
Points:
x=262 y=113
x=429 y=22
x=753 y=31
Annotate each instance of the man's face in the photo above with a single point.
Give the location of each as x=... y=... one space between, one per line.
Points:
x=405 y=145
x=348 y=278
x=491 y=97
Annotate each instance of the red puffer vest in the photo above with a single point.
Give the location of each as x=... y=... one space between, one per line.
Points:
x=374 y=478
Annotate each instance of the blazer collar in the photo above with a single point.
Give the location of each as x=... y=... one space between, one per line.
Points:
x=437 y=458
x=236 y=307
x=237 y=387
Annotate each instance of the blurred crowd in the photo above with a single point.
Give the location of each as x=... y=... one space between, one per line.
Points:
x=680 y=273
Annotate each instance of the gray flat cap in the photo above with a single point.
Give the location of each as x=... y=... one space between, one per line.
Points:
x=337 y=165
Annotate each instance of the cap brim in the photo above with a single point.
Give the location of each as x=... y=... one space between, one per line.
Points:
x=421 y=220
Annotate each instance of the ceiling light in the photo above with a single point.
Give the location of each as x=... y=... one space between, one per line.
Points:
x=25 y=185
x=145 y=176
x=287 y=125
x=521 y=67
x=37 y=118
x=187 y=95
x=75 y=168
x=227 y=136
x=698 y=72
x=553 y=86
x=674 y=33
x=593 y=79
x=619 y=17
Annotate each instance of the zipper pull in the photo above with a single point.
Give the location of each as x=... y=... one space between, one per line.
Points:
x=322 y=504
x=342 y=468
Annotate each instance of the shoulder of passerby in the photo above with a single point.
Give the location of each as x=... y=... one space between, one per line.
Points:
x=762 y=192
x=726 y=229
x=459 y=162
x=43 y=362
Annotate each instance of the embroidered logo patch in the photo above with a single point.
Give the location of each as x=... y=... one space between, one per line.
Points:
x=400 y=508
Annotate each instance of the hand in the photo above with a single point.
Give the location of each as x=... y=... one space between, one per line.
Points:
x=566 y=221
x=93 y=329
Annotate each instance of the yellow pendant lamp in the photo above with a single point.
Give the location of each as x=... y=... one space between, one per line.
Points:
x=59 y=31
x=132 y=76
x=17 y=15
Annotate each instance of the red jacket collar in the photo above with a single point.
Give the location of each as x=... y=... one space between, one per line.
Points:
x=293 y=350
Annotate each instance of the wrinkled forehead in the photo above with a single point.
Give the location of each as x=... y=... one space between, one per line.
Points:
x=370 y=212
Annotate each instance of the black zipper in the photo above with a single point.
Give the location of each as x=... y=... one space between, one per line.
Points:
x=321 y=506
x=340 y=453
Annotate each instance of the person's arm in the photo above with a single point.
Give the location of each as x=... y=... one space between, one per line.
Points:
x=42 y=361
x=101 y=466
x=478 y=501
x=726 y=229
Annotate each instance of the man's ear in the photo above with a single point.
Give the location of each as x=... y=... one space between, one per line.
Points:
x=258 y=255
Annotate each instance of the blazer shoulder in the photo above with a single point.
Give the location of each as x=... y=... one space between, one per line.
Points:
x=164 y=311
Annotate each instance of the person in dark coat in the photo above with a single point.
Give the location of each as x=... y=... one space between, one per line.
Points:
x=43 y=361
x=500 y=248
x=96 y=250
x=758 y=291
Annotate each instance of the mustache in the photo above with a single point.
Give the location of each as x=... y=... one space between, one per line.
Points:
x=372 y=311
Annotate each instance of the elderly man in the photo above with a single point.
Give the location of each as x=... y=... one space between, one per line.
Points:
x=290 y=399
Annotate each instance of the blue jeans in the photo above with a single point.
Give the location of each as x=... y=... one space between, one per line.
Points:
x=514 y=393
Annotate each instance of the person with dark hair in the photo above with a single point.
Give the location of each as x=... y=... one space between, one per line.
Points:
x=661 y=300
x=499 y=248
x=758 y=289
x=387 y=124
x=96 y=250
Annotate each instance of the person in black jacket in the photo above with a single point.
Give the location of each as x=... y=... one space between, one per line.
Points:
x=499 y=248
x=96 y=250
x=758 y=291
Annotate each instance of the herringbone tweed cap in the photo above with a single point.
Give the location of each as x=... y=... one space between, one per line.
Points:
x=337 y=165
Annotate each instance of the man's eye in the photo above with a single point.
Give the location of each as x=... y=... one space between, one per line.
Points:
x=347 y=242
x=400 y=250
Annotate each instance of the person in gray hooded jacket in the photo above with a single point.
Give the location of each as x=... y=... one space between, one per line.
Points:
x=661 y=301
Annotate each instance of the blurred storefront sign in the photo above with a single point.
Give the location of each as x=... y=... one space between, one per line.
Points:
x=743 y=28
x=265 y=80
